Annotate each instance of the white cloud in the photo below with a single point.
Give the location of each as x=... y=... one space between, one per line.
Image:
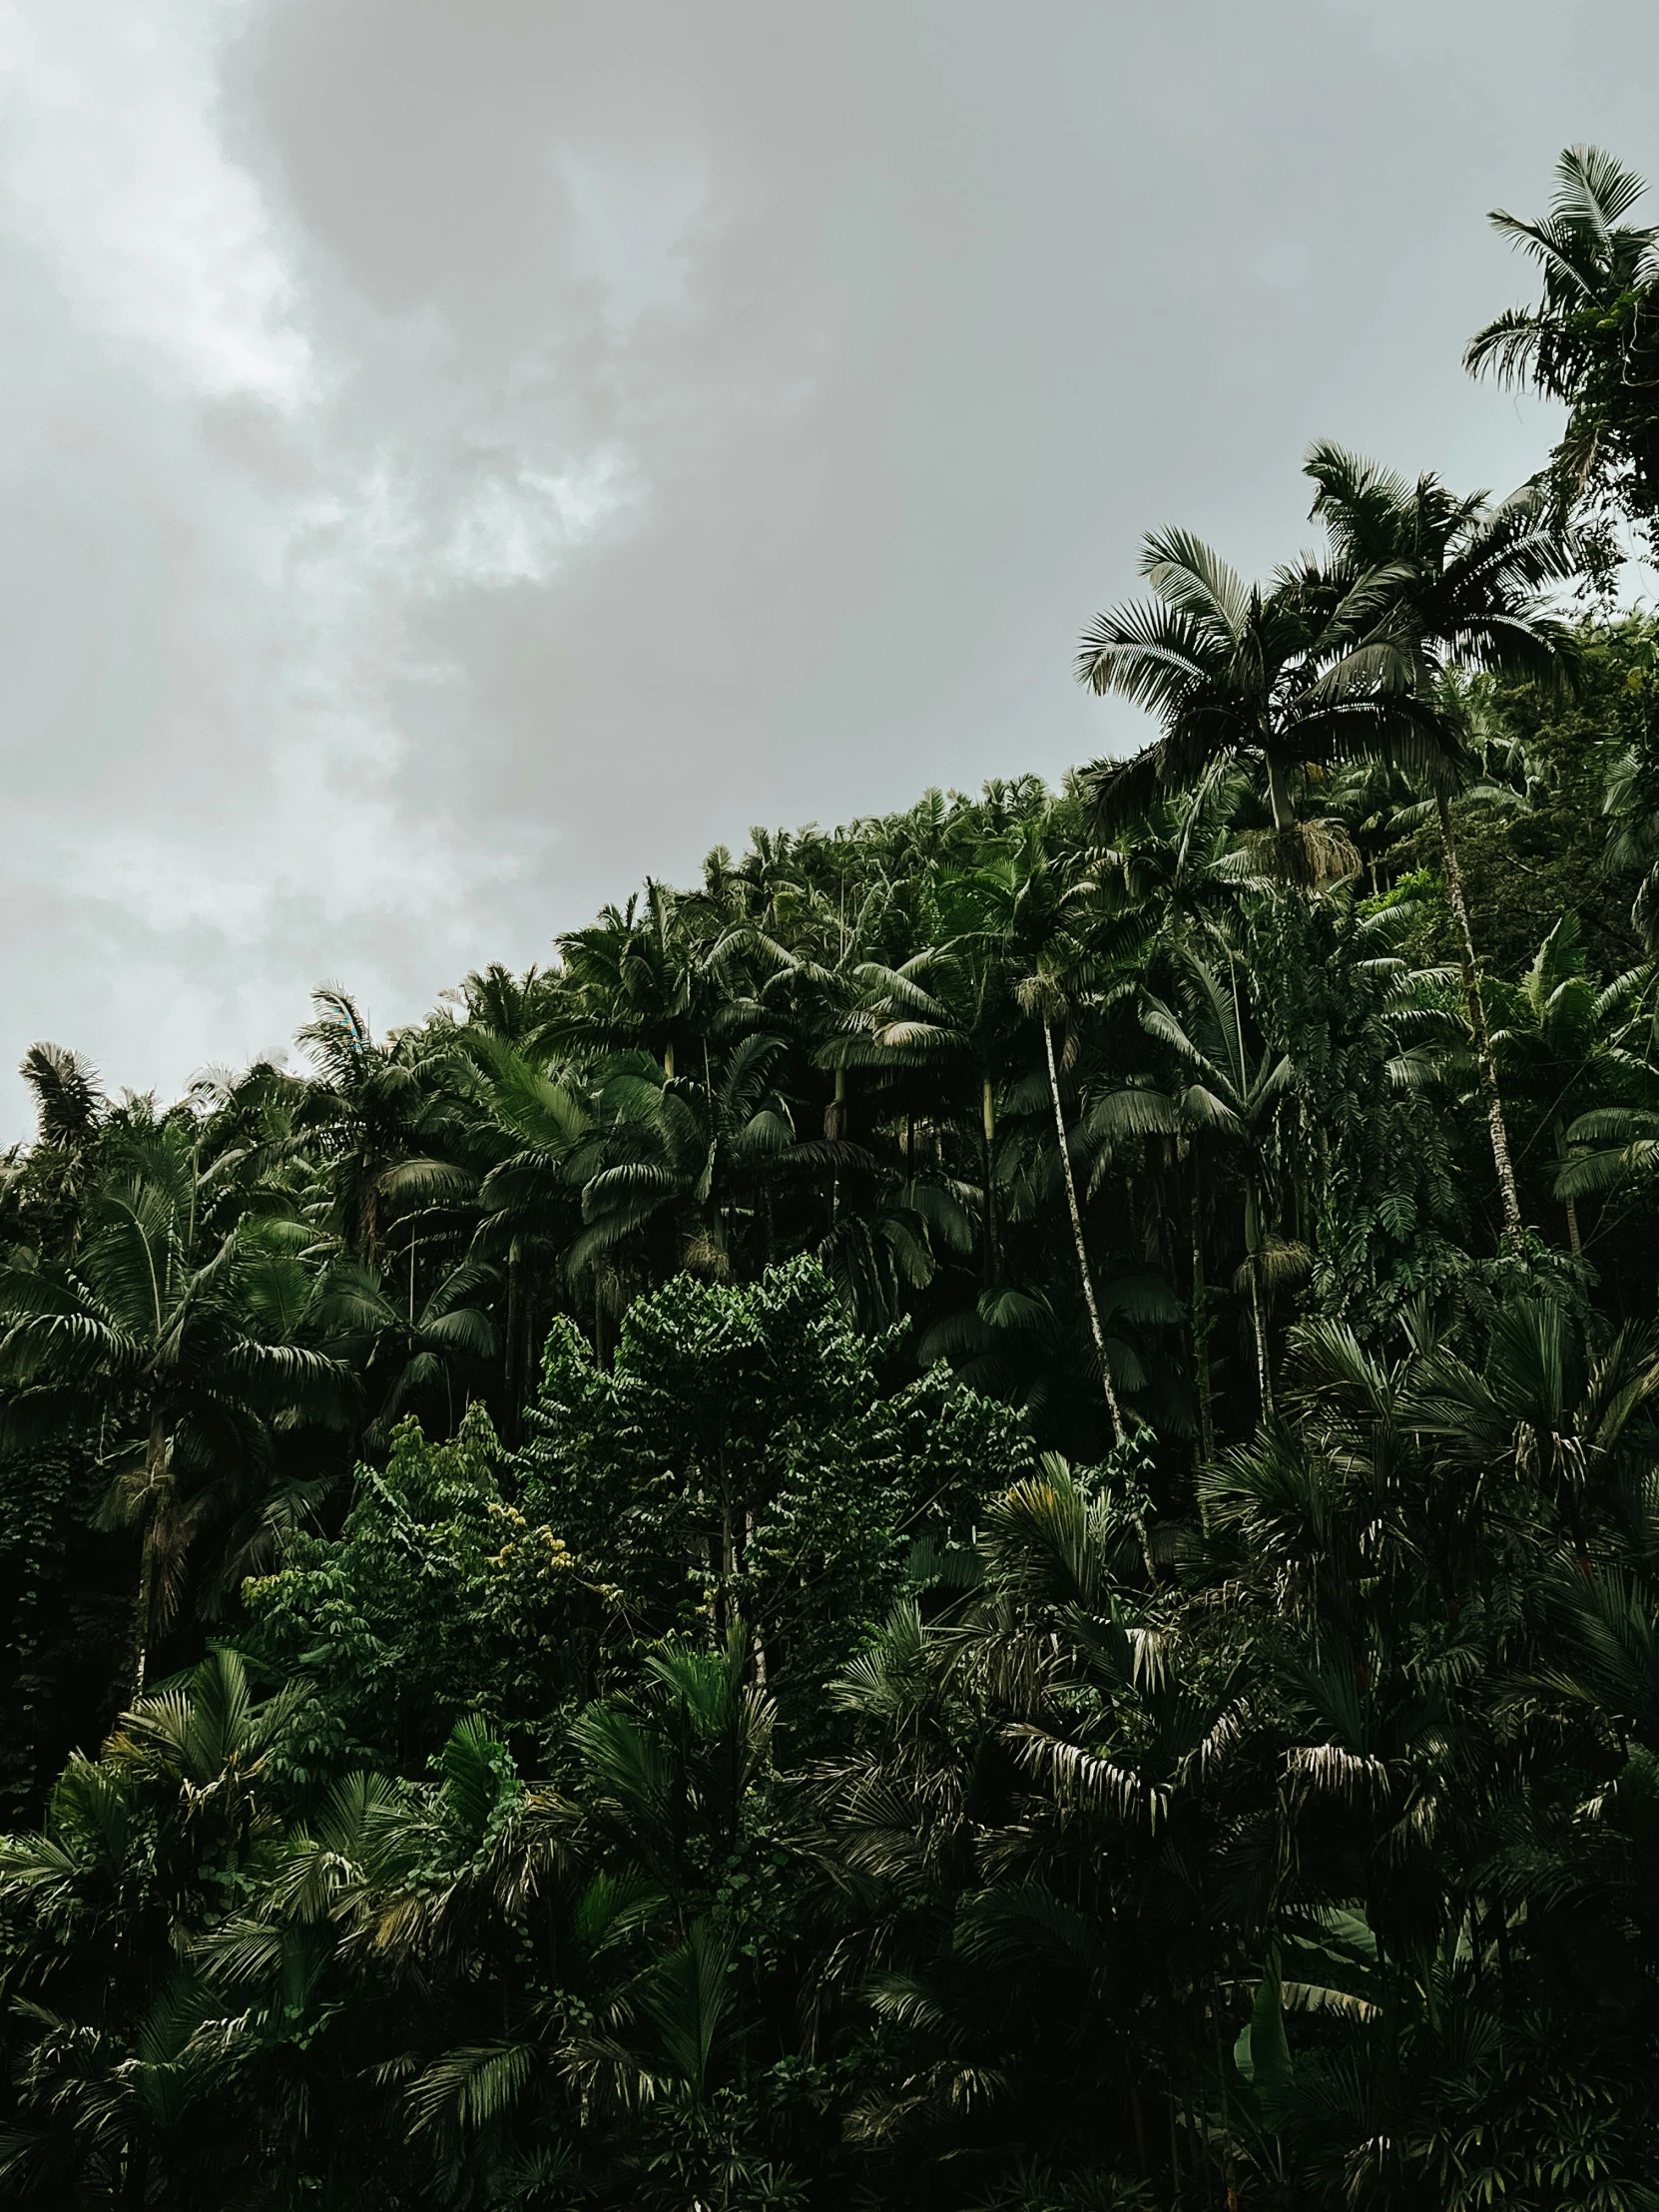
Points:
x=111 y=162
x=517 y=528
x=209 y=573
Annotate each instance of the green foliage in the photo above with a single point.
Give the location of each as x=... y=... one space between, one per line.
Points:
x=740 y=1462
x=1068 y=1619
x=439 y=1597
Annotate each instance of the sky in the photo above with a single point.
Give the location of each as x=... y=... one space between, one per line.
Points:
x=463 y=456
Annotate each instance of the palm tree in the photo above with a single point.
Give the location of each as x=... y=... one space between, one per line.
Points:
x=685 y=1144
x=1178 y=869
x=1044 y=995
x=184 y=1348
x=45 y=1188
x=131 y=1867
x=421 y=1344
x=1593 y=342
x=1228 y=1091
x=1564 y=1038
x=947 y=1008
x=1616 y=1144
x=1079 y=945
x=535 y=1127
x=371 y=1111
x=1463 y=582
x=1279 y=679
x=640 y=980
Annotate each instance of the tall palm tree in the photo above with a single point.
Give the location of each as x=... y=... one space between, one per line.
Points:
x=1549 y=1408
x=406 y=1349
x=1279 y=678
x=1593 y=342
x=1465 y=582
x=1072 y=950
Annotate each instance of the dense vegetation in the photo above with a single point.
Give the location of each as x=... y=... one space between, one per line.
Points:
x=967 y=1519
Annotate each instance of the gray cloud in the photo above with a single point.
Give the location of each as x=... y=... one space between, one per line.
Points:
x=464 y=454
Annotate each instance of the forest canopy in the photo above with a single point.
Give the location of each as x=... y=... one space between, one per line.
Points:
x=967 y=1517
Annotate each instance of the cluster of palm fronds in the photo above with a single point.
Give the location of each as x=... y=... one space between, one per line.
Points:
x=1295 y=1848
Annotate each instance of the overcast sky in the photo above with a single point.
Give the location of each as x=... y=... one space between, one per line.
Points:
x=461 y=456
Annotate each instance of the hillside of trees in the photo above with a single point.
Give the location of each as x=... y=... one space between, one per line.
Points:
x=967 y=1519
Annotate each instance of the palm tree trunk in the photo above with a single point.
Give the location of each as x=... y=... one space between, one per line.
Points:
x=1112 y=1405
x=987 y=1139
x=1264 y=1372
x=1279 y=795
x=1571 y=1203
x=1508 y=1196
x=1289 y=849
x=1255 y=1238
x=135 y=2190
x=141 y=1609
x=834 y=1123
x=155 y=1475
x=511 y=1361
x=1201 y=1333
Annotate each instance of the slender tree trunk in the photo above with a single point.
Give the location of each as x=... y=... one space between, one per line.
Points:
x=142 y=1609
x=513 y=1376
x=719 y=1263
x=1279 y=795
x=758 y=1640
x=1290 y=850
x=370 y=1223
x=834 y=1127
x=155 y=1477
x=1112 y=1405
x=987 y=1141
x=136 y=2180
x=1201 y=1331
x=1571 y=1203
x=1476 y=1004
x=1264 y=1374
x=1253 y=1240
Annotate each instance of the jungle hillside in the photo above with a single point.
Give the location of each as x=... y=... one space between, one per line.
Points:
x=967 y=1518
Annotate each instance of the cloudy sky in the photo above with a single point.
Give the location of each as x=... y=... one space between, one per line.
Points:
x=461 y=456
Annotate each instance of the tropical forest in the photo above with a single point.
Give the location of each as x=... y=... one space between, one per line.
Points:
x=967 y=1518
